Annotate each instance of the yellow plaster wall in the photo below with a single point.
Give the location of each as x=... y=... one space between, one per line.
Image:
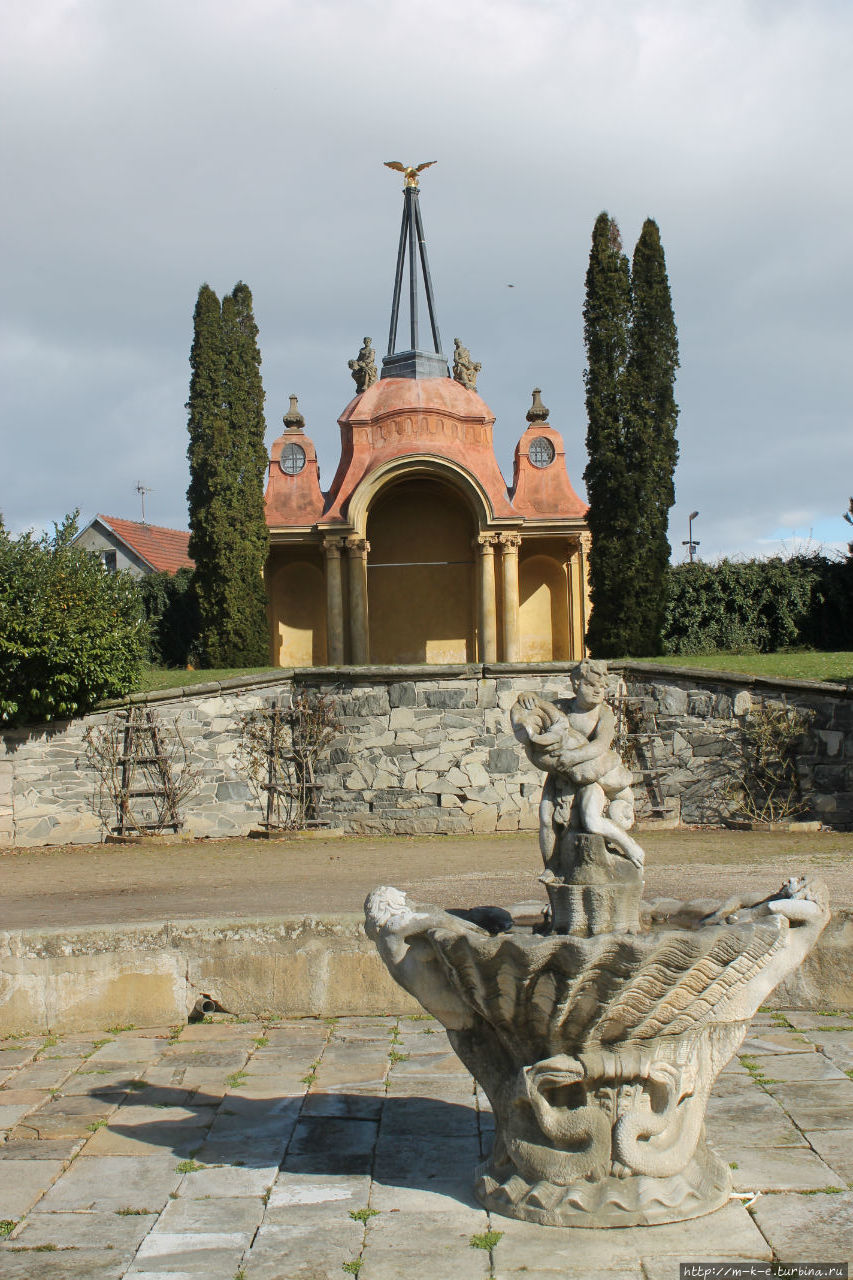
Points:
x=298 y=612
x=543 y=610
x=420 y=612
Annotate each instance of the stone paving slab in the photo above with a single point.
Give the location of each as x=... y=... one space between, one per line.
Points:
x=819 y=1227
x=728 y=1233
x=816 y=1104
x=113 y=1183
x=287 y=1151
x=85 y=1230
x=797 y=1066
x=213 y=1255
x=836 y=1148
x=407 y=1244
x=23 y=1182
x=65 y=1264
x=777 y=1168
x=282 y=1250
x=838 y=1047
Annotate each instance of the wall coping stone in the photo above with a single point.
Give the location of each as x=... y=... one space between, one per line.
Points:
x=446 y=671
x=96 y=939
x=704 y=675
x=527 y=668
x=386 y=672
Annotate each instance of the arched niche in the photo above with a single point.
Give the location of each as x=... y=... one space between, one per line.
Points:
x=543 y=610
x=420 y=573
x=298 y=607
x=445 y=472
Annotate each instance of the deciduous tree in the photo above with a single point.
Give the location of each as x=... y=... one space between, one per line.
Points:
x=71 y=634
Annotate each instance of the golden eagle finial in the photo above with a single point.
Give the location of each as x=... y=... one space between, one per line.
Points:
x=411 y=171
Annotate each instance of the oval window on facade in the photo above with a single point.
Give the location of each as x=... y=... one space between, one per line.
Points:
x=292 y=459
x=541 y=452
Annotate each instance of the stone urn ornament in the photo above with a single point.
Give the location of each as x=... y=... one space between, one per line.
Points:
x=598 y=1037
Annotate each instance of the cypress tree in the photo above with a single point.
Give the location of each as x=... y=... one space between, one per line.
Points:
x=247 y=640
x=228 y=532
x=609 y=484
x=651 y=445
x=207 y=454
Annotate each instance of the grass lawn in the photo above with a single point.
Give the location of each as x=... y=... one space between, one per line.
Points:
x=153 y=679
x=796 y=665
x=805 y=665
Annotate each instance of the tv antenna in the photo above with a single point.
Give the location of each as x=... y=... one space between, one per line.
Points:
x=141 y=489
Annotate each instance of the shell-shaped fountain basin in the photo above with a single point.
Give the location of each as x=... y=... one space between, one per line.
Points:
x=597 y=1054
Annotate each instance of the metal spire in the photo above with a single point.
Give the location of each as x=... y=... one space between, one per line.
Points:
x=414 y=363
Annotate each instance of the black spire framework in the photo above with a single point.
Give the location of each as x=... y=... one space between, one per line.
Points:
x=414 y=363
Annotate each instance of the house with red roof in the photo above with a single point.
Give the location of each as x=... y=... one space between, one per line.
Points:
x=138 y=547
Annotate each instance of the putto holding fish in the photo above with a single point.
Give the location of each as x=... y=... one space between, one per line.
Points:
x=588 y=787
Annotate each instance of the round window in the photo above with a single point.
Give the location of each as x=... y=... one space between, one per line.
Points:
x=541 y=452
x=292 y=459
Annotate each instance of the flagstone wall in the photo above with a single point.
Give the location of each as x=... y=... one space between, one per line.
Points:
x=425 y=750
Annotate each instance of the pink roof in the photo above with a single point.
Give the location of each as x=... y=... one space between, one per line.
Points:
x=400 y=416
x=166 y=550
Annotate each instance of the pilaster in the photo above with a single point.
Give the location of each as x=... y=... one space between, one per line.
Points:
x=357 y=549
x=488 y=608
x=334 y=602
x=510 y=543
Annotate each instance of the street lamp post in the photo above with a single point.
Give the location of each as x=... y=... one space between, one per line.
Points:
x=690 y=543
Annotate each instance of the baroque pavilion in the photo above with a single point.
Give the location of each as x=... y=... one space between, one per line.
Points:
x=419 y=552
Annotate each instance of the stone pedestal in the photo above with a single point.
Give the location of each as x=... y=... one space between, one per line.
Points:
x=591 y=890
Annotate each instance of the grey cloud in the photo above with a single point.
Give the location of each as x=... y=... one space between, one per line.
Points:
x=154 y=147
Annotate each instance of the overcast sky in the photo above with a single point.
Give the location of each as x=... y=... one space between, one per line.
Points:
x=149 y=147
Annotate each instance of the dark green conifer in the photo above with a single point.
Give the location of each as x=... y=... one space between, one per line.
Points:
x=651 y=444
x=228 y=532
x=207 y=454
x=247 y=641
x=609 y=483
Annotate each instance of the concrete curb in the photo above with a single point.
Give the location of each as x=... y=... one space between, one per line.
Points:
x=150 y=974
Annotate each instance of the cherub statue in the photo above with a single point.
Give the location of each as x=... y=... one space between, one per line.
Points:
x=465 y=369
x=588 y=787
x=363 y=367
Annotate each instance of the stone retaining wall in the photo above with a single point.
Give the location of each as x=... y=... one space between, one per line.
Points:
x=84 y=979
x=425 y=750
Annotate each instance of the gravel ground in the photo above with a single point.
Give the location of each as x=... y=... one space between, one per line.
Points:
x=247 y=879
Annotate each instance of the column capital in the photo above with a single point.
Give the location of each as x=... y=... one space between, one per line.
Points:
x=357 y=545
x=510 y=540
x=486 y=541
x=332 y=545
x=585 y=540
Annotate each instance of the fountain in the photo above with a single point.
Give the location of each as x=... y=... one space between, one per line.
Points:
x=597 y=1035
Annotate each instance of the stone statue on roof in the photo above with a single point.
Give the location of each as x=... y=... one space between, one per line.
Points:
x=363 y=367
x=465 y=369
